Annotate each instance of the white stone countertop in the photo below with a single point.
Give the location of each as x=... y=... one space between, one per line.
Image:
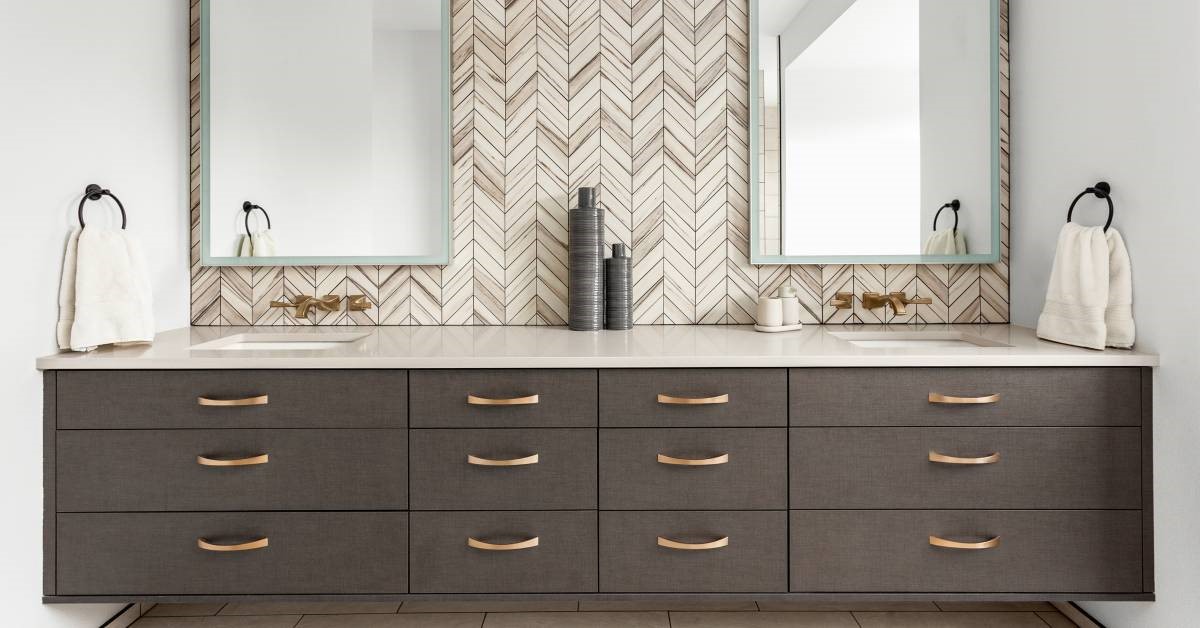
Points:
x=430 y=347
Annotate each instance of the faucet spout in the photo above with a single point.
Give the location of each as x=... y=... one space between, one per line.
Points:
x=898 y=303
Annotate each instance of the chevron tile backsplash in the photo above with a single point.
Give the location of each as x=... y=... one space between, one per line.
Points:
x=647 y=100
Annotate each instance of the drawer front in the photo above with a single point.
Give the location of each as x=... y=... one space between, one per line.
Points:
x=502 y=398
x=1027 y=396
x=159 y=470
x=632 y=560
x=170 y=399
x=1041 y=467
x=307 y=553
x=750 y=474
x=1039 y=551
x=563 y=561
x=669 y=397
x=563 y=477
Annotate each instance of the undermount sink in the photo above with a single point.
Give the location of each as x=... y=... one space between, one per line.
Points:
x=282 y=342
x=916 y=340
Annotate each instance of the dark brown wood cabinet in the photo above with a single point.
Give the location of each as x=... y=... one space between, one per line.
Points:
x=879 y=483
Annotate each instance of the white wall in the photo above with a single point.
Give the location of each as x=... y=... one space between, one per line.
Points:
x=89 y=92
x=1110 y=89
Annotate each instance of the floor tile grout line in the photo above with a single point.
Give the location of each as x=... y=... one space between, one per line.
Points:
x=854 y=617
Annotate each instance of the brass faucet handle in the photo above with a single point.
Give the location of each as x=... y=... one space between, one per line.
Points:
x=914 y=300
x=295 y=302
x=842 y=300
x=873 y=300
x=358 y=302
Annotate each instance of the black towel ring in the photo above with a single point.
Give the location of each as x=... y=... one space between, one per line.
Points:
x=93 y=192
x=1100 y=190
x=248 y=207
x=954 y=205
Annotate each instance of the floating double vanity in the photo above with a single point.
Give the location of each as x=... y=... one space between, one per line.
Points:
x=953 y=462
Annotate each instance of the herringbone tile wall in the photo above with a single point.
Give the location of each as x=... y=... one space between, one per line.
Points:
x=647 y=100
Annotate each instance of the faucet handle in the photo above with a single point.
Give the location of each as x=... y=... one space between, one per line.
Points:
x=358 y=302
x=842 y=300
x=914 y=300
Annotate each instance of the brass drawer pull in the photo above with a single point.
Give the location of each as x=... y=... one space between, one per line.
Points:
x=514 y=462
x=511 y=401
x=692 y=401
x=240 y=547
x=236 y=462
x=944 y=459
x=668 y=543
x=938 y=541
x=260 y=400
x=689 y=462
x=502 y=547
x=940 y=398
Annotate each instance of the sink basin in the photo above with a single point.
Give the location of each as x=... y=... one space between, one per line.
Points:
x=282 y=342
x=916 y=340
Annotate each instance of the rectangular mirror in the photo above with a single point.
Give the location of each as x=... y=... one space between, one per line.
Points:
x=875 y=132
x=325 y=132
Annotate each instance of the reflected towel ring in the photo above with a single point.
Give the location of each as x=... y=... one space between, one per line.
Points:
x=1100 y=190
x=954 y=206
x=93 y=192
x=248 y=207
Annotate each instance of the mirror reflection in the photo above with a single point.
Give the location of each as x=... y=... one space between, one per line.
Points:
x=878 y=131
x=324 y=132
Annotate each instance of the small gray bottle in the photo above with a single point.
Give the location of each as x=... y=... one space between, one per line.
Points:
x=618 y=289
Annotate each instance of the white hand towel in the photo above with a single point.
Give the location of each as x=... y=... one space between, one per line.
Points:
x=110 y=301
x=1118 y=316
x=946 y=242
x=1090 y=274
x=263 y=244
x=243 y=246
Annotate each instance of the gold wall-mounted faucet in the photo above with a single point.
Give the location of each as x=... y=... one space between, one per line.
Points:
x=898 y=300
x=304 y=303
x=842 y=300
x=357 y=302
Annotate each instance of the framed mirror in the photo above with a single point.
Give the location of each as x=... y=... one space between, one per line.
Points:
x=875 y=132
x=325 y=132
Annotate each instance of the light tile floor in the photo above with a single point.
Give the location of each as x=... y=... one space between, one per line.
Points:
x=635 y=614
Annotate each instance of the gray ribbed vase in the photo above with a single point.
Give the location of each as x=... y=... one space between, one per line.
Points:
x=585 y=258
x=618 y=289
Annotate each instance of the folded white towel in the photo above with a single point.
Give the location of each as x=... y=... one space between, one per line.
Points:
x=262 y=244
x=105 y=293
x=1090 y=274
x=946 y=242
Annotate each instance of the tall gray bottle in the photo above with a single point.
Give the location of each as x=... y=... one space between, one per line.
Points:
x=585 y=260
x=618 y=289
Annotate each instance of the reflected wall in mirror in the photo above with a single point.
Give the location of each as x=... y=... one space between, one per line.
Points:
x=872 y=116
x=324 y=132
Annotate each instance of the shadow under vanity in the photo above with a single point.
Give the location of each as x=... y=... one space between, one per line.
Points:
x=208 y=475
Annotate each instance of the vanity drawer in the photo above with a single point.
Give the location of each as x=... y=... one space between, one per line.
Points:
x=746 y=470
x=563 y=476
x=306 y=552
x=1088 y=396
x=693 y=397
x=276 y=398
x=633 y=560
x=504 y=398
x=1039 y=551
x=1038 y=467
x=563 y=560
x=304 y=469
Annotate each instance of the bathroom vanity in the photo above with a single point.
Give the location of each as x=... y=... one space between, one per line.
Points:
x=947 y=462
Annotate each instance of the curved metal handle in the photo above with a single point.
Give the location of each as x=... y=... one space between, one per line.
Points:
x=502 y=547
x=260 y=400
x=237 y=462
x=512 y=462
x=692 y=401
x=511 y=401
x=944 y=459
x=240 y=547
x=693 y=462
x=938 y=541
x=668 y=543
x=940 y=398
